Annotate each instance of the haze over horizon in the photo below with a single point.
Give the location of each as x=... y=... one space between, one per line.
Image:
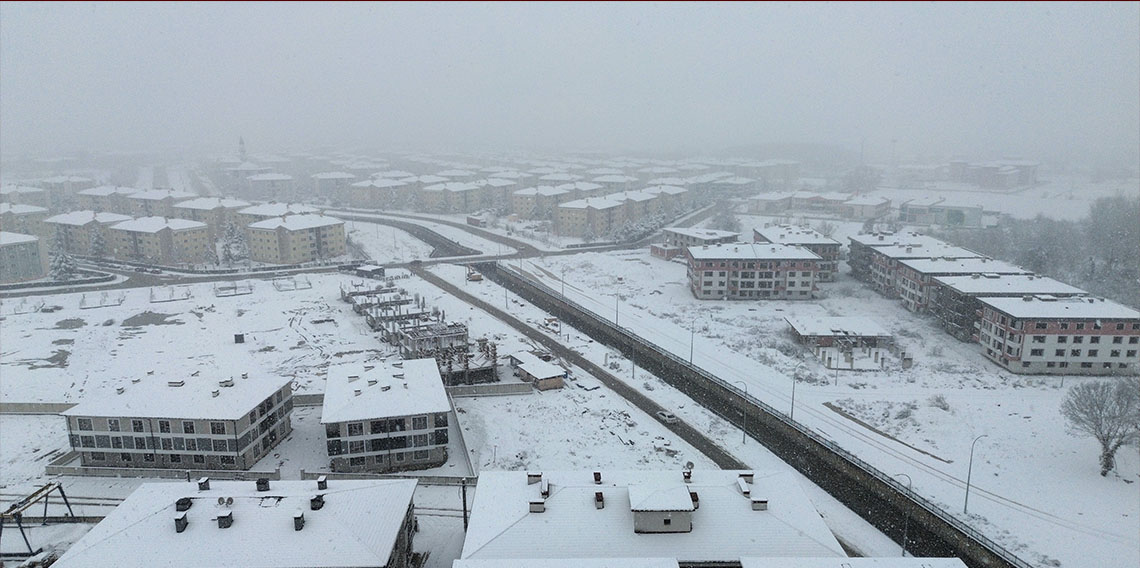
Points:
x=1040 y=81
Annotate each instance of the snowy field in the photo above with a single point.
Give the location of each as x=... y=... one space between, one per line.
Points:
x=1034 y=488
x=1058 y=199
x=384 y=244
x=453 y=233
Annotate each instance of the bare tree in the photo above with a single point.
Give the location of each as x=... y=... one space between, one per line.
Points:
x=826 y=228
x=1108 y=411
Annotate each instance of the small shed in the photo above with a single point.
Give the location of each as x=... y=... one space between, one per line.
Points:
x=369 y=271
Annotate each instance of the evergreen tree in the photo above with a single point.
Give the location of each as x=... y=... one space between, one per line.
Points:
x=62 y=265
x=98 y=246
x=234 y=245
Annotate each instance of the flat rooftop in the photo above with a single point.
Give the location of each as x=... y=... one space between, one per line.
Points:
x=1003 y=284
x=154 y=396
x=789 y=235
x=962 y=266
x=837 y=327
x=751 y=251
x=366 y=392
x=1048 y=307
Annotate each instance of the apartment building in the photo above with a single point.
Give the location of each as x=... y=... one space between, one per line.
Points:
x=294 y=239
x=24 y=195
x=110 y=198
x=593 y=216
x=216 y=212
x=385 y=417
x=748 y=271
x=190 y=423
x=379 y=193
x=940 y=211
x=873 y=257
x=77 y=227
x=1067 y=336
x=59 y=191
x=865 y=207
x=699 y=518
x=332 y=185
x=451 y=197
x=672 y=198
x=538 y=202
x=269 y=185
x=955 y=298
x=827 y=248
x=321 y=523
x=770 y=203
x=25 y=219
x=156 y=202
x=161 y=240
x=686 y=237
x=22 y=257
x=915 y=285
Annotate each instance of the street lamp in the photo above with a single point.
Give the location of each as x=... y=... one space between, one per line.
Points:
x=795 y=373
x=744 y=413
x=692 y=336
x=906 y=518
x=970 y=472
x=563 y=282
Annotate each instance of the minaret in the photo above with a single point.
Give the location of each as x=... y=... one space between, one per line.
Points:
x=241 y=148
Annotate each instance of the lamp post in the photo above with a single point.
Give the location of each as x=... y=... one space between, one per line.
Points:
x=617 y=300
x=970 y=472
x=563 y=282
x=906 y=519
x=795 y=373
x=692 y=336
x=744 y=413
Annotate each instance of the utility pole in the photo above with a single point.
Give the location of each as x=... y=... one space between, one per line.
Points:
x=970 y=472
x=463 y=486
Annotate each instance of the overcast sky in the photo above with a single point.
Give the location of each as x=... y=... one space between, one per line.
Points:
x=978 y=80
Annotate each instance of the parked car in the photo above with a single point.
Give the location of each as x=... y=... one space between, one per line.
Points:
x=667 y=417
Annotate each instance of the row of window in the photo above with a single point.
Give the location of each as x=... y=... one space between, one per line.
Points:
x=1077 y=353
x=149 y=458
x=338 y=447
x=398 y=457
x=150 y=443
x=1094 y=339
x=114 y=425
x=383 y=426
x=1078 y=325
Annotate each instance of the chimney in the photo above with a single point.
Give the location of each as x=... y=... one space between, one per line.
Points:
x=688 y=475
x=759 y=503
x=538 y=506
x=743 y=485
x=183 y=504
x=298 y=520
x=262 y=484
x=180 y=522
x=747 y=475
x=599 y=500
x=322 y=482
x=597 y=478
x=544 y=488
x=317 y=502
x=696 y=499
x=225 y=519
x=533 y=477
x=203 y=484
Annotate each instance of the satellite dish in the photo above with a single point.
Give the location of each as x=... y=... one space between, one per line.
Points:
x=221 y=500
x=229 y=501
x=689 y=465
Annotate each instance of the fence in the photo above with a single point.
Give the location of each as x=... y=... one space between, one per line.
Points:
x=490 y=389
x=806 y=438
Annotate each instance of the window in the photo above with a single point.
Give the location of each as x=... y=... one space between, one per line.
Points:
x=228 y=460
x=140 y=443
x=1078 y=339
x=1062 y=339
x=1086 y=365
x=175 y=458
x=164 y=426
x=332 y=430
x=1136 y=326
x=378 y=426
x=1118 y=340
x=87 y=441
x=419 y=423
x=1041 y=325
x=1051 y=364
x=1131 y=352
x=333 y=447
x=1039 y=339
x=1094 y=339
x=1093 y=352
x=1081 y=325
x=85 y=424
x=1025 y=363
x=191 y=445
x=187 y=426
x=117 y=443
x=356 y=429
x=1064 y=325
x=218 y=428
x=1133 y=340
x=356 y=461
x=1037 y=352
x=1075 y=352
x=125 y=457
x=98 y=456
x=113 y=424
x=167 y=444
x=1114 y=353
x=149 y=458
x=102 y=441
x=420 y=454
x=1059 y=353
x=136 y=425
x=401 y=456
x=199 y=458
x=356 y=447
x=441 y=420
x=1107 y=365
x=668 y=522
x=219 y=445
x=420 y=440
x=1064 y=364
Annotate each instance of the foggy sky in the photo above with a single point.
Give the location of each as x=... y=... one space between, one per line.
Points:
x=977 y=80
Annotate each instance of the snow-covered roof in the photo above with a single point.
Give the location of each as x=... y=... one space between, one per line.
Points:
x=614 y=178
x=365 y=392
x=160 y=194
x=724 y=527
x=735 y=181
x=580 y=186
x=908 y=562
x=658 y=170
x=455 y=173
x=452 y=186
x=296 y=222
x=780 y=196
x=14 y=189
x=545 y=190
x=21 y=209
x=922 y=250
x=7 y=238
x=248 y=167
x=709 y=177
x=66 y=179
x=540 y=369
x=277 y=209
x=358 y=525
x=270 y=176
x=80 y=218
x=154 y=397
x=604 y=172
x=333 y=175
x=704 y=234
x=399 y=174
x=1049 y=307
x=560 y=176
x=882 y=239
x=633 y=196
x=922 y=201
x=669 y=496
x=789 y=235
x=155 y=224
x=106 y=190
x=511 y=174
x=425 y=180
x=751 y=251
x=961 y=266
x=866 y=200
x=496 y=182
x=592 y=203
x=838 y=326
x=1001 y=284
x=674 y=181
x=665 y=189
x=210 y=203
x=380 y=183
x=568 y=563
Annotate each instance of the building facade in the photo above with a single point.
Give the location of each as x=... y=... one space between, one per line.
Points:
x=827 y=248
x=294 y=239
x=915 y=276
x=161 y=240
x=22 y=257
x=76 y=230
x=747 y=271
x=955 y=299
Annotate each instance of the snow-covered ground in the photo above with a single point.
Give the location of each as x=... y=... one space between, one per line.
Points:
x=1034 y=488
x=384 y=244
